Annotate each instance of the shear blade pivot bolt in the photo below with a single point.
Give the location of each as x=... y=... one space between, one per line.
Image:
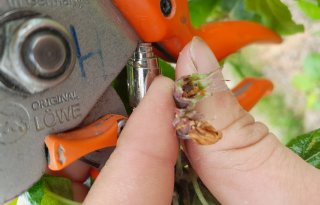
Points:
x=38 y=53
x=45 y=55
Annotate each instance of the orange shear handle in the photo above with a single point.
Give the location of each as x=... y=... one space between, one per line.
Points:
x=175 y=31
x=251 y=90
x=67 y=147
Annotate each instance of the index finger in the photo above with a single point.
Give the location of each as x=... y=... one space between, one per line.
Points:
x=141 y=170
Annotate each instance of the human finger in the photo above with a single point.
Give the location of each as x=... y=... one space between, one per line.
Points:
x=141 y=169
x=248 y=165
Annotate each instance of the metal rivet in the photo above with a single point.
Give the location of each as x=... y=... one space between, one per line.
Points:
x=46 y=54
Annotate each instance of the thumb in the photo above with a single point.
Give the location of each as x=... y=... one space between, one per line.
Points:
x=248 y=165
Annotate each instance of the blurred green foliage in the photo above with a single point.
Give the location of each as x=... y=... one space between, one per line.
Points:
x=271 y=13
x=290 y=123
x=309 y=80
x=311 y=8
x=281 y=116
x=200 y=10
x=275 y=15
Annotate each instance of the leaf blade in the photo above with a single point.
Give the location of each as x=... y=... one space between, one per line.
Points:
x=310 y=9
x=275 y=15
x=307 y=146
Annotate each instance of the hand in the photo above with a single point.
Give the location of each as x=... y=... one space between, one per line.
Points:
x=247 y=166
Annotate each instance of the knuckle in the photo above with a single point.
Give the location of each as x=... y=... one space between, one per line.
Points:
x=251 y=134
x=244 y=120
x=243 y=132
x=257 y=130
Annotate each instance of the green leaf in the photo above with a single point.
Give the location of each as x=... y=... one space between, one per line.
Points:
x=314 y=160
x=167 y=69
x=304 y=82
x=310 y=8
x=239 y=11
x=51 y=190
x=307 y=146
x=275 y=15
x=13 y=202
x=271 y=13
x=200 y=10
x=311 y=65
x=233 y=10
x=120 y=85
x=242 y=66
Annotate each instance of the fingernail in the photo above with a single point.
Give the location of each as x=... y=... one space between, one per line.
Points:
x=202 y=57
x=187 y=62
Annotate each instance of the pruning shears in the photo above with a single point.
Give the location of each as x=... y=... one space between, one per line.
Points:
x=58 y=61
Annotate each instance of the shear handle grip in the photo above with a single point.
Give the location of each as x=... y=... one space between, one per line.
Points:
x=251 y=90
x=65 y=148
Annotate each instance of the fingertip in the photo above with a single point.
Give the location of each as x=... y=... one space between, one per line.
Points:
x=196 y=57
x=185 y=65
x=144 y=159
x=163 y=84
x=202 y=56
x=151 y=122
x=158 y=104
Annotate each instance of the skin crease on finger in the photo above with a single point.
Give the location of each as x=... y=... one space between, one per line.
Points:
x=248 y=165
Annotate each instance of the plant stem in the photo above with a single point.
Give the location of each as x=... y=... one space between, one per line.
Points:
x=197 y=189
x=179 y=166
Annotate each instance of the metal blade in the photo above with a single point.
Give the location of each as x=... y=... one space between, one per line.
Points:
x=105 y=42
x=98 y=158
